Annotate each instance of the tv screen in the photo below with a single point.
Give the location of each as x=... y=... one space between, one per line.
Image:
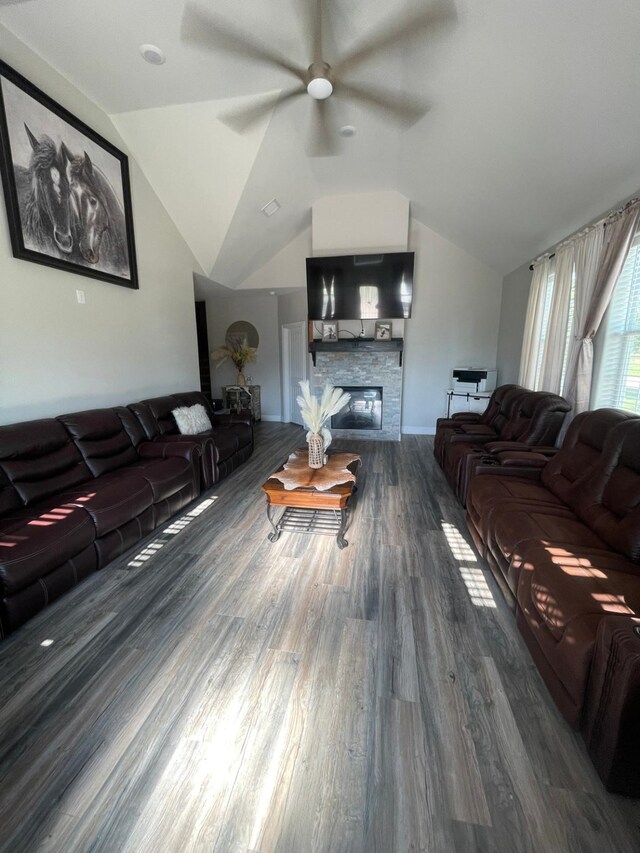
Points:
x=360 y=287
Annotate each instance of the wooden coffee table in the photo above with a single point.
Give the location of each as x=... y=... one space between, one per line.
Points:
x=308 y=509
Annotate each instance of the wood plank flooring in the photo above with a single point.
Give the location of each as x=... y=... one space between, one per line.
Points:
x=211 y=691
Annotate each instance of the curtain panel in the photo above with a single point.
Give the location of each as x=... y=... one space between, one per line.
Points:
x=556 y=338
x=531 y=342
x=594 y=289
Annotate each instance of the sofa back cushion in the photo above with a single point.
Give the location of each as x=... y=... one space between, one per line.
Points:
x=608 y=501
x=508 y=408
x=536 y=419
x=132 y=425
x=155 y=415
x=37 y=459
x=581 y=451
x=495 y=403
x=101 y=438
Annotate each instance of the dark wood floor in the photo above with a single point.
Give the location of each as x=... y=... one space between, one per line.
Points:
x=222 y=693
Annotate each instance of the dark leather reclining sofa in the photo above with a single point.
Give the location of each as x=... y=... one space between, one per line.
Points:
x=78 y=490
x=562 y=536
x=514 y=418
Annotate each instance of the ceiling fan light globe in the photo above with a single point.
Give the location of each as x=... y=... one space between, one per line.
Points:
x=319 y=88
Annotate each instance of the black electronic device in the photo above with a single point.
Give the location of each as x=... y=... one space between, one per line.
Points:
x=360 y=287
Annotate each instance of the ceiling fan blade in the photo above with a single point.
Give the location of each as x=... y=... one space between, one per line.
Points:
x=393 y=32
x=243 y=118
x=397 y=105
x=311 y=27
x=208 y=31
x=323 y=141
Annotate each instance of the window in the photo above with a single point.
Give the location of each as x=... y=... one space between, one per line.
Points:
x=619 y=373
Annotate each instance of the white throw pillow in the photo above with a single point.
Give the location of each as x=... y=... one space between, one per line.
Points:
x=192 y=419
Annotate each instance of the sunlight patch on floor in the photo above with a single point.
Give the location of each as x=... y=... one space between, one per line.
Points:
x=169 y=532
x=473 y=577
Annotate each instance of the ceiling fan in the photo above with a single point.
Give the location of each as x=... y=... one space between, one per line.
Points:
x=321 y=80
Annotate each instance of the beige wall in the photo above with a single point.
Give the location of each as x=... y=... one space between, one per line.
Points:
x=360 y=221
x=58 y=356
x=454 y=322
x=513 y=313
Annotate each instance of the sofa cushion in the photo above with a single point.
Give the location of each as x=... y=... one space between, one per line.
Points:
x=581 y=451
x=39 y=459
x=111 y=500
x=34 y=541
x=548 y=524
x=570 y=582
x=609 y=500
x=101 y=438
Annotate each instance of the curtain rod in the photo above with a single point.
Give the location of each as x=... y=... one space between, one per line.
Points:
x=602 y=219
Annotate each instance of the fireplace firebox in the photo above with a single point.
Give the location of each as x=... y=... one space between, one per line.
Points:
x=363 y=411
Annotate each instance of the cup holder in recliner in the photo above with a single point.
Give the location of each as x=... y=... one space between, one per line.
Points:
x=489 y=460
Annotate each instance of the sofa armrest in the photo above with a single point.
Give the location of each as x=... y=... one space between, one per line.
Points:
x=466 y=417
x=164 y=449
x=466 y=438
x=242 y=417
x=501 y=446
x=515 y=464
x=612 y=704
x=521 y=459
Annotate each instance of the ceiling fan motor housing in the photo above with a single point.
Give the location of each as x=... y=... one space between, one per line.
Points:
x=319 y=85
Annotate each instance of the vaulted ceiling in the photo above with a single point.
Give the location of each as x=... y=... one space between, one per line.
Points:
x=533 y=127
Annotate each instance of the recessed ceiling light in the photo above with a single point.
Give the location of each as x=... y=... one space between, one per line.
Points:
x=152 y=54
x=272 y=293
x=271 y=207
x=347 y=130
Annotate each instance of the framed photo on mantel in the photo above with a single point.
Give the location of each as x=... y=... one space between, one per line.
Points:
x=330 y=332
x=66 y=188
x=383 y=330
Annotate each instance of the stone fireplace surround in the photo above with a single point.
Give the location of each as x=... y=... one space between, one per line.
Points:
x=365 y=368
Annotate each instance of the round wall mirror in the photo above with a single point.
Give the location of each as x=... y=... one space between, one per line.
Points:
x=242 y=330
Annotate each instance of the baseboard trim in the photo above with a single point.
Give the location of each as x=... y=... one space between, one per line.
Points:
x=418 y=430
x=272 y=418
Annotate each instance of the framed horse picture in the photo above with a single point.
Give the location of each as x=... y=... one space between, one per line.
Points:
x=66 y=188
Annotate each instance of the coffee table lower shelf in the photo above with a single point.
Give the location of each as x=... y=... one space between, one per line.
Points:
x=327 y=522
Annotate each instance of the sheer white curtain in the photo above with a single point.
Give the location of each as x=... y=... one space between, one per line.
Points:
x=533 y=327
x=587 y=260
x=619 y=232
x=556 y=337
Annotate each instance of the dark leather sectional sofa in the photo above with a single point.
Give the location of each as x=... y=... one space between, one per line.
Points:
x=514 y=418
x=561 y=533
x=78 y=490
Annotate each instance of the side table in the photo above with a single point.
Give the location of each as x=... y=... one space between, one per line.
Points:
x=238 y=397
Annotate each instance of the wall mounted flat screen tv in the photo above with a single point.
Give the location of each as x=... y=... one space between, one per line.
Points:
x=360 y=287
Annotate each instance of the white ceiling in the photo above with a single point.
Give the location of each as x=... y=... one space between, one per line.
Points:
x=534 y=125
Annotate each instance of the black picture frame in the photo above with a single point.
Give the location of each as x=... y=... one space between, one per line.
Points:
x=67 y=189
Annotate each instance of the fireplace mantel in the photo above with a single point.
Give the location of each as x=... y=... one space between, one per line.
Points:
x=356 y=345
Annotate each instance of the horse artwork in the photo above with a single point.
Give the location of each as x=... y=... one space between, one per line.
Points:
x=43 y=198
x=99 y=231
x=66 y=188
